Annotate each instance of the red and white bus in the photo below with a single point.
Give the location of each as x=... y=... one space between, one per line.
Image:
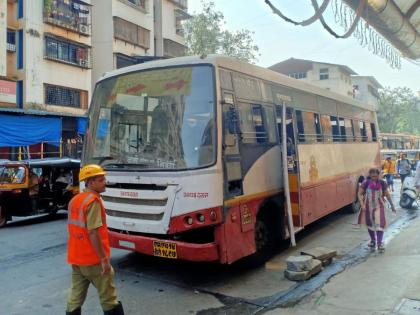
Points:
x=193 y=154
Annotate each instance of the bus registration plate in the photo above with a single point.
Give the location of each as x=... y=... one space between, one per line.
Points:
x=164 y=249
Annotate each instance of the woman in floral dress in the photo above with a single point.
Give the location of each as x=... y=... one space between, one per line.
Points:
x=372 y=194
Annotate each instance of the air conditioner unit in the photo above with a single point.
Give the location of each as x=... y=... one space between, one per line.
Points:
x=84 y=29
x=83 y=62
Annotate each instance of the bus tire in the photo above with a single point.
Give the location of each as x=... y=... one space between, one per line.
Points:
x=267 y=236
x=3 y=217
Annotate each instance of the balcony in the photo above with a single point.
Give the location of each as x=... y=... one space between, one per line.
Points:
x=183 y=4
x=64 y=51
x=73 y=15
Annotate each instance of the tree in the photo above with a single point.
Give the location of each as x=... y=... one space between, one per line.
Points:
x=205 y=34
x=399 y=111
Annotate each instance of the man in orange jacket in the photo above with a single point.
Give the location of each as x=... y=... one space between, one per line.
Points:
x=88 y=246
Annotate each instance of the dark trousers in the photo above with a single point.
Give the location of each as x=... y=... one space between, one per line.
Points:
x=403 y=177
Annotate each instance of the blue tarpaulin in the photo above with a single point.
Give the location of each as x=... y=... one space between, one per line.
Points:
x=81 y=125
x=27 y=130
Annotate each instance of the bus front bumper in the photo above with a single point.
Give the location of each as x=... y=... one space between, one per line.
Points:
x=147 y=245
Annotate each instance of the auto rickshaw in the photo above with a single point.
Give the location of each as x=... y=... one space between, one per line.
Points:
x=36 y=187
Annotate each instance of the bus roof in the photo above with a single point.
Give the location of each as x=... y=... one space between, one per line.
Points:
x=242 y=67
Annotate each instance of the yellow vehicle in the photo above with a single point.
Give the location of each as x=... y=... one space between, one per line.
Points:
x=36 y=187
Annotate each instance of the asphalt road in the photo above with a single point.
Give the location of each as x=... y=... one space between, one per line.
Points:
x=34 y=277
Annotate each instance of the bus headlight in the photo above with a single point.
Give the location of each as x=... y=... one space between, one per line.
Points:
x=189 y=220
x=200 y=217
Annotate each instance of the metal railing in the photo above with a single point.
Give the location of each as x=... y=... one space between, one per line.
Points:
x=57 y=149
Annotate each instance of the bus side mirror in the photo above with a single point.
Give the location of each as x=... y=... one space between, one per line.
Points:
x=233 y=121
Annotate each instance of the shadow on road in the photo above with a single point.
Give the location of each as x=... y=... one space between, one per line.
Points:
x=199 y=274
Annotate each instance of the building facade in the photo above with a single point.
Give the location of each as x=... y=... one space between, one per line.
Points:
x=46 y=46
x=53 y=51
x=366 y=89
x=330 y=76
x=126 y=32
x=338 y=78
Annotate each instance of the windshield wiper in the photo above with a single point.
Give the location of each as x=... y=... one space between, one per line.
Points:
x=126 y=165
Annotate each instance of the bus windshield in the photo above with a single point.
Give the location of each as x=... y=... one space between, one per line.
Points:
x=154 y=119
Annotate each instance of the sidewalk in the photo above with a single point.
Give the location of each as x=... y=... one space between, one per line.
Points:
x=376 y=286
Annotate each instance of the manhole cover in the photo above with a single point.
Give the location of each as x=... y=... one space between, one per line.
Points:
x=408 y=307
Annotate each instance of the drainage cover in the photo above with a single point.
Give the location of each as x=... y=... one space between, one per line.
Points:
x=407 y=307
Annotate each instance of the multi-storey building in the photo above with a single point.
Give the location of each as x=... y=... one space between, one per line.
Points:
x=126 y=32
x=53 y=51
x=47 y=74
x=338 y=78
x=330 y=76
x=366 y=89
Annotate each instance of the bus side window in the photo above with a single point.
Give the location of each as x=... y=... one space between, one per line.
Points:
x=335 y=129
x=362 y=129
x=258 y=120
x=318 y=128
x=343 y=136
x=348 y=126
x=270 y=123
x=309 y=128
x=374 y=135
x=368 y=132
x=327 y=128
x=279 y=114
x=356 y=131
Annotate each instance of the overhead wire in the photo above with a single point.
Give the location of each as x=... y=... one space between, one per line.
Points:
x=351 y=21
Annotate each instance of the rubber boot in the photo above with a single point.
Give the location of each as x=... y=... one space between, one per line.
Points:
x=117 y=310
x=77 y=311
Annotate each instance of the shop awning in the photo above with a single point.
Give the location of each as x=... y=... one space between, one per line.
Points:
x=27 y=130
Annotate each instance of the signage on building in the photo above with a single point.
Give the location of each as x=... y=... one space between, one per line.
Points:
x=7 y=91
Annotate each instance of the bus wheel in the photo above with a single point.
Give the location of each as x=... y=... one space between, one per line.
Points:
x=3 y=218
x=265 y=240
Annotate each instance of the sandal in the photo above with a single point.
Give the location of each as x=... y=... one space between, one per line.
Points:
x=381 y=248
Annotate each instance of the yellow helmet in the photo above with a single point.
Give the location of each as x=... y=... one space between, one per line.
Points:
x=89 y=171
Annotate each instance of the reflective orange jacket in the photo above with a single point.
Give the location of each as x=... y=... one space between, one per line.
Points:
x=80 y=250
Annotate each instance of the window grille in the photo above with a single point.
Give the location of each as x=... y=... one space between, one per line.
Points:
x=57 y=95
x=68 y=52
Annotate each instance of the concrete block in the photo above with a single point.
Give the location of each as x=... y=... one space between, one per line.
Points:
x=315 y=268
x=320 y=253
x=299 y=263
x=297 y=275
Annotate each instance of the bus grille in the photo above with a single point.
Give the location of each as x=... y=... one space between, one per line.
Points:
x=132 y=215
x=137 y=202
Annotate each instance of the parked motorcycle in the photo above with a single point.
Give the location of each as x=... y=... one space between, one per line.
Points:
x=409 y=193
